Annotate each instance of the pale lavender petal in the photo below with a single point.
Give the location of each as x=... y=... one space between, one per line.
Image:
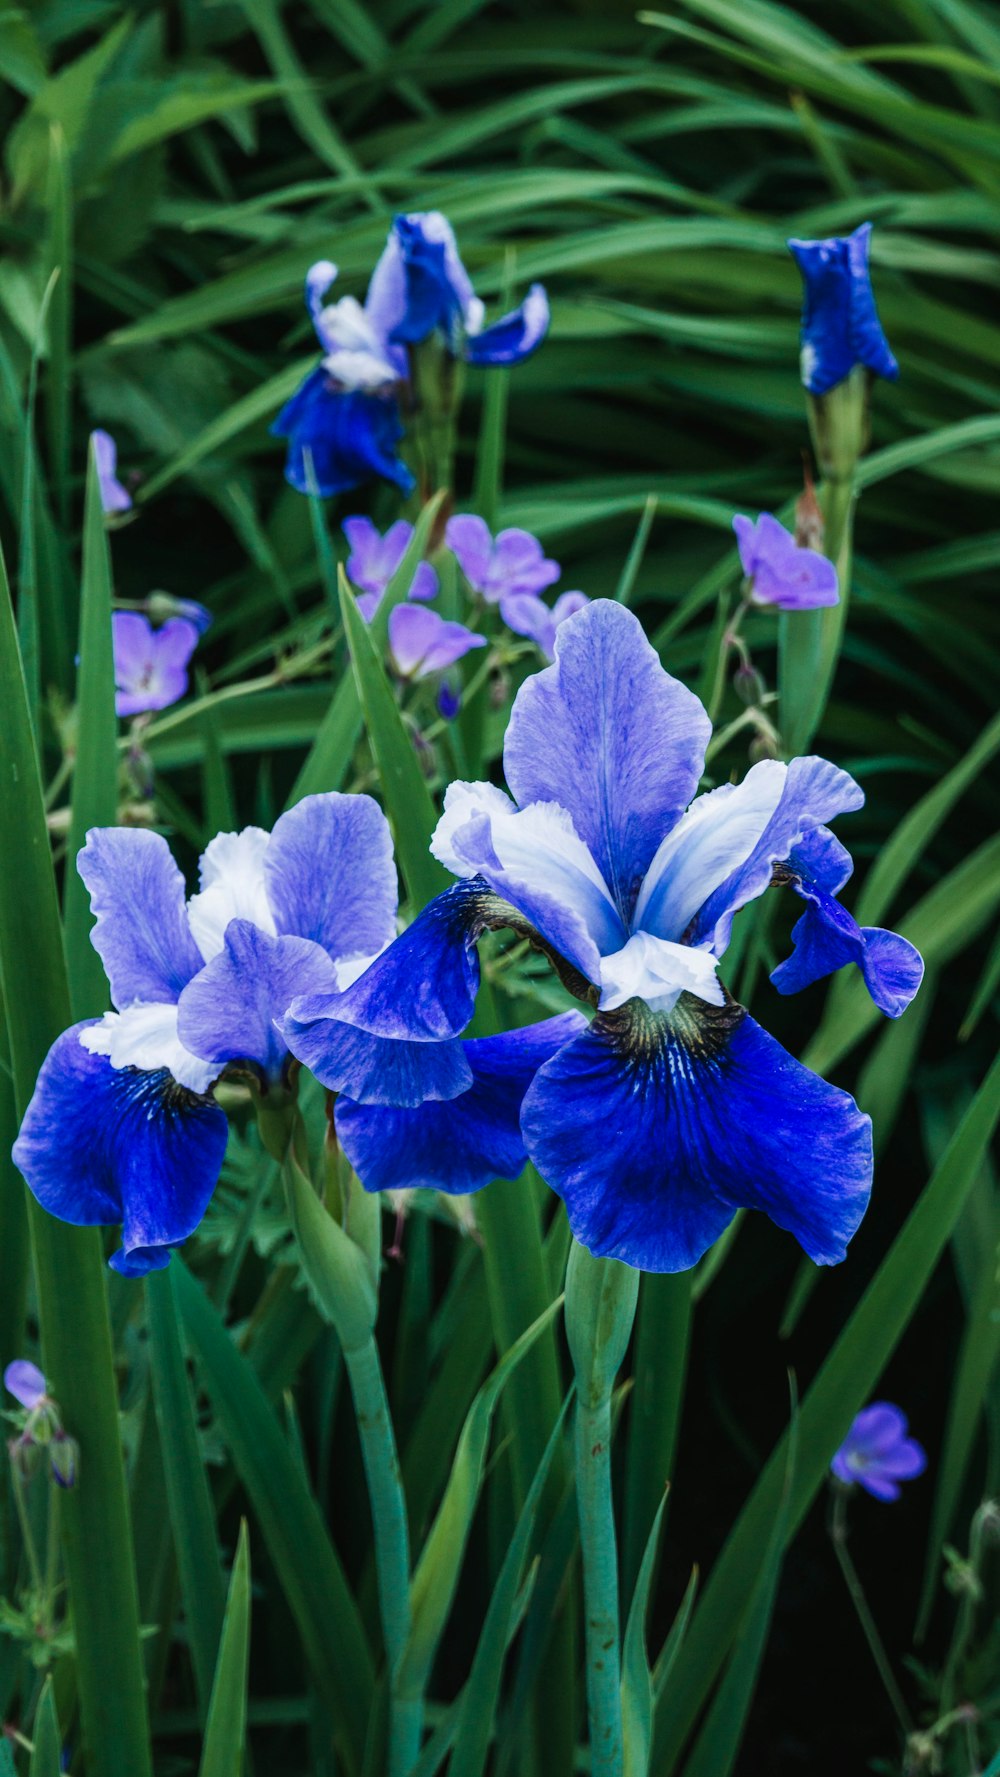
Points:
x=24 y=1380
x=114 y=497
x=422 y=642
x=780 y=572
x=468 y=537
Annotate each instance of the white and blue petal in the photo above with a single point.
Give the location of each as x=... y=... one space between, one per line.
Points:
x=329 y=875
x=137 y=897
x=514 y=336
x=812 y=792
x=230 y=1011
x=146 y=1037
x=101 y=1145
x=461 y=1144
x=658 y=971
x=233 y=886
x=612 y=738
x=840 y=323
x=654 y=1131
x=715 y=837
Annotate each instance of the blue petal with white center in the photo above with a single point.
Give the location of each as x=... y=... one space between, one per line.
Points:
x=461 y=1144
x=228 y=1013
x=101 y=1144
x=840 y=324
x=137 y=897
x=654 y=1131
x=350 y=436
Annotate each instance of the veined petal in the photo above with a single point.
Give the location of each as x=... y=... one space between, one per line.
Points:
x=372 y=1069
x=827 y=937
x=329 y=874
x=655 y=1130
x=232 y=1009
x=349 y=435
x=715 y=836
x=461 y=1144
x=99 y=1145
x=612 y=738
x=515 y=336
x=146 y=1037
x=658 y=972
x=422 y=642
x=233 y=886
x=137 y=898
x=813 y=792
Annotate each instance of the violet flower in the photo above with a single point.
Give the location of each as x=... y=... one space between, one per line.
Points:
x=150 y=664
x=374 y=559
x=24 y=1380
x=421 y=642
x=779 y=571
x=499 y=569
x=877 y=1453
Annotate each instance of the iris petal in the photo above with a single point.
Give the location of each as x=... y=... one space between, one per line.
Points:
x=229 y=1011
x=137 y=897
x=330 y=875
x=514 y=336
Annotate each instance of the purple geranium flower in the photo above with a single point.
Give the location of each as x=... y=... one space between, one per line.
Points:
x=674 y=1107
x=528 y=615
x=422 y=642
x=150 y=664
x=499 y=569
x=779 y=571
x=840 y=324
x=114 y=497
x=122 y=1126
x=877 y=1453
x=24 y=1380
x=374 y=559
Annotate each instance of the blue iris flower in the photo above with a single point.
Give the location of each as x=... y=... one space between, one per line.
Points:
x=343 y=424
x=122 y=1126
x=673 y=1107
x=840 y=324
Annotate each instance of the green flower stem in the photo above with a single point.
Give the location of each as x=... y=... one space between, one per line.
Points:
x=838 y=1534
x=392 y=1542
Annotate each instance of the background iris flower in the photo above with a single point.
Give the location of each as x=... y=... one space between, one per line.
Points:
x=674 y=1107
x=122 y=1126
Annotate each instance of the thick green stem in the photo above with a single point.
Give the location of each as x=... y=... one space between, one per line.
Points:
x=600 y=1587
x=392 y=1542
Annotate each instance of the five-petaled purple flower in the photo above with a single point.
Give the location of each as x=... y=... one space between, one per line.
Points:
x=374 y=559
x=877 y=1453
x=343 y=424
x=840 y=324
x=504 y=570
x=421 y=642
x=150 y=664
x=673 y=1108
x=122 y=1126
x=779 y=571
x=114 y=497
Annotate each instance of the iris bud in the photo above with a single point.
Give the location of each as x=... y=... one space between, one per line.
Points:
x=748 y=685
x=64 y=1459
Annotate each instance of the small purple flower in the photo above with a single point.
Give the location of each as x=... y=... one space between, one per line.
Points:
x=499 y=569
x=528 y=615
x=374 y=559
x=780 y=572
x=24 y=1380
x=877 y=1453
x=421 y=642
x=114 y=497
x=150 y=664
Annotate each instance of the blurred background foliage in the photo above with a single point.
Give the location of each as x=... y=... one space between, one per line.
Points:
x=184 y=164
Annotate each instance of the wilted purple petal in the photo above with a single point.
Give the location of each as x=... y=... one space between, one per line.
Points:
x=114 y=497
x=422 y=642
x=24 y=1380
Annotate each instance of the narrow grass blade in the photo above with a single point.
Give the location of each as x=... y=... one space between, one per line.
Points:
x=225 y=1731
x=46 y=1755
x=637 y=1678
x=659 y=1370
x=633 y=561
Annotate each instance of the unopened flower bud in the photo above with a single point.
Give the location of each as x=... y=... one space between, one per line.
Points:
x=809 y=525
x=748 y=685
x=499 y=689
x=763 y=746
x=25 y=1456
x=161 y=606
x=64 y=1458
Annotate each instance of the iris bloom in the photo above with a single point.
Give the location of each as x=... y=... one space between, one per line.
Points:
x=122 y=1126
x=114 y=497
x=779 y=572
x=421 y=642
x=840 y=324
x=374 y=559
x=673 y=1108
x=346 y=413
x=877 y=1453
x=150 y=664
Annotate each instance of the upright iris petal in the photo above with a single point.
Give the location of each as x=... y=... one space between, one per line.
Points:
x=674 y=1108
x=421 y=288
x=840 y=324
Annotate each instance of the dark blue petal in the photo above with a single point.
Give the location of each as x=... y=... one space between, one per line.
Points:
x=612 y=738
x=229 y=1011
x=433 y=303
x=351 y=436
x=840 y=324
x=827 y=937
x=330 y=874
x=137 y=896
x=462 y=1144
x=655 y=1131
x=372 y=1069
x=100 y=1144
x=515 y=336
